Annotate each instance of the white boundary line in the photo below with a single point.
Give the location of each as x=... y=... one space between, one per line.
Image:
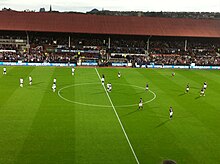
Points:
x=126 y=136
x=137 y=104
x=105 y=106
x=75 y=102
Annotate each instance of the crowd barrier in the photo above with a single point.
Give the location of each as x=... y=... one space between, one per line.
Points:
x=119 y=64
x=180 y=67
x=113 y=64
x=37 y=64
x=89 y=63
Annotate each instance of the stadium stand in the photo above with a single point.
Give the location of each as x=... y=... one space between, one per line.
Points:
x=70 y=38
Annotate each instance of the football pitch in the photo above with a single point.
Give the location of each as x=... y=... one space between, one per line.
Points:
x=84 y=123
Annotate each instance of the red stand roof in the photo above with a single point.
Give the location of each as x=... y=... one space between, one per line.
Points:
x=95 y=24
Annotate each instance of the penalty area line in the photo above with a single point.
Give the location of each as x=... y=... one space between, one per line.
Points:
x=122 y=127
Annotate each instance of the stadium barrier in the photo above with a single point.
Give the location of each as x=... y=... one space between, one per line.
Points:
x=119 y=64
x=89 y=63
x=113 y=64
x=178 y=66
x=37 y=64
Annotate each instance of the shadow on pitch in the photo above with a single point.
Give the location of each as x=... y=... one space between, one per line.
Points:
x=132 y=112
x=197 y=97
x=157 y=116
x=176 y=90
x=37 y=83
x=121 y=92
x=195 y=88
x=162 y=123
x=181 y=94
x=143 y=110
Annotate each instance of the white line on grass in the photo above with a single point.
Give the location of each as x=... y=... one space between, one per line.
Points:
x=122 y=127
x=97 y=105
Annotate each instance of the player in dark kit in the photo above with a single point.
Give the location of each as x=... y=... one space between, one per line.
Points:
x=205 y=86
x=187 y=88
x=103 y=79
x=119 y=74
x=140 y=105
x=202 y=92
x=171 y=112
x=147 y=87
x=54 y=80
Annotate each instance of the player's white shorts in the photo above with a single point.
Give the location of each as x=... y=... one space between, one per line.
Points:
x=146 y=88
x=140 y=104
x=171 y=113
x=187 y=89
x=205 y=86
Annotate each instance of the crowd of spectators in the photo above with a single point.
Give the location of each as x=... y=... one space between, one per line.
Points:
x=127 y=46
x=175 y=51
x=37 y=58
x=185 y=60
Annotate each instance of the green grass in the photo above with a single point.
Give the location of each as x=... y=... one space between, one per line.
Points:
x=38 y=126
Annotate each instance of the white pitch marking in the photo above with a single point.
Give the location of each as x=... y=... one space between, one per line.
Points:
x=126 y=136
x=137 y=104
x=105 y=106
x=94 y=105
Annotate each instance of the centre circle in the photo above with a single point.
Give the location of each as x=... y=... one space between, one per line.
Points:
x=99 y=105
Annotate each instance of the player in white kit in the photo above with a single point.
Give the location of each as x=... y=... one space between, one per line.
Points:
x=30 y=80
x=21 y=82
x=109 y=87
x=54 y=87
x=4 y=71
x=73 y=70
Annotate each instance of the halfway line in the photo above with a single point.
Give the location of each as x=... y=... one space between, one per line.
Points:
x=126 y=136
